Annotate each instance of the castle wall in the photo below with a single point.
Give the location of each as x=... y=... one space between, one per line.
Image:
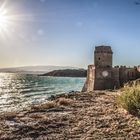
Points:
x=103 y=81
x=115 y=77
x=111 y=81
x=127 y=74
x=137 y=71
x=89 y=84
x=96 y=81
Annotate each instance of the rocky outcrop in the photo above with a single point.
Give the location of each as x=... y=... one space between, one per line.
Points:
x=75 y=116
x=67 y=73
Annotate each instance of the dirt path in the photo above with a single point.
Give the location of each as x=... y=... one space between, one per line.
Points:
x=93 y=116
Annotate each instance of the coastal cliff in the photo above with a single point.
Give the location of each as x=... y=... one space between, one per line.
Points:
x=67 y=73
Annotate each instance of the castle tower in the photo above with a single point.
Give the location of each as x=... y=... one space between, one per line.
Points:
x=103 y=68
x=101 y=75
x=103 y=56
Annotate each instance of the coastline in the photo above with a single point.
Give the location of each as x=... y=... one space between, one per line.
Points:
x=74 y=116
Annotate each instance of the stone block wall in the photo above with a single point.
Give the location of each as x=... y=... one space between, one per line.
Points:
x=103 y=78
x=127 y=74
x=89 y=84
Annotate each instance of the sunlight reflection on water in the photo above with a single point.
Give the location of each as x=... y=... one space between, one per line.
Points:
x=18 y=91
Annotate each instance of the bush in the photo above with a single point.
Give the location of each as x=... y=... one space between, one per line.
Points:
x=129 y=99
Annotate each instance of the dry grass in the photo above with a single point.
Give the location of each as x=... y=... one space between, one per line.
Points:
x=65 y=102
x=129 y=99
x=52 y=104
x=8 y=115
x=48 y=105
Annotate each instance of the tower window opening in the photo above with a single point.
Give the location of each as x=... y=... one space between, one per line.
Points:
x=99 y=58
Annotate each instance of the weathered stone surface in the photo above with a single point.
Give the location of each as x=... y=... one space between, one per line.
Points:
x=90 y=116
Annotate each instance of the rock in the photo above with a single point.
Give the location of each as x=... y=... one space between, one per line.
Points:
x=90 y=116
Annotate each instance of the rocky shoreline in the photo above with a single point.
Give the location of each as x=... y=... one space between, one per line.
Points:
x=74 y=116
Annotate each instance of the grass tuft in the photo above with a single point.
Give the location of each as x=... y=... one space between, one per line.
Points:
x=129 y=99
x=47 y=105
x=65 y=102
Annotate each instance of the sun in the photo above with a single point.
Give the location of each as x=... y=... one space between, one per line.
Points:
x=9 y=21
x=12 y=22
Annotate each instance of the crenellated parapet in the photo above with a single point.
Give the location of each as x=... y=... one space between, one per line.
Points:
x=103 y=49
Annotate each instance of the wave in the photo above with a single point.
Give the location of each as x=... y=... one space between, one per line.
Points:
x=20 y=90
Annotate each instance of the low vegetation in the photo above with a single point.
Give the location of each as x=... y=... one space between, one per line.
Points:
x=48 y=105
x=53 y=104
x=129 y=99
x=64 y=101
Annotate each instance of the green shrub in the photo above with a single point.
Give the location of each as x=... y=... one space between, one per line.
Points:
x=129 y=99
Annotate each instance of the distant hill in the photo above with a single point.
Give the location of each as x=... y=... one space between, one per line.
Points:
x=35 y=69
x=67 y=73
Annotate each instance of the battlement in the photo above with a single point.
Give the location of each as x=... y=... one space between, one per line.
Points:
x=103 y=49
x=123 y=67
x=126 y=67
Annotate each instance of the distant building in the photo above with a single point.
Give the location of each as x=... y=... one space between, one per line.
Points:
x=102 y=75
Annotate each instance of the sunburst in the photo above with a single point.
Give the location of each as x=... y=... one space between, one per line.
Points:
x=11 y=21
x=5 y=20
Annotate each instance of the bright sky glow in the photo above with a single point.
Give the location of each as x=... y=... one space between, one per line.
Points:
x=64 y=32
x=3 y=19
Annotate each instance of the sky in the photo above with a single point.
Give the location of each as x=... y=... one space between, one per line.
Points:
x=65 y=32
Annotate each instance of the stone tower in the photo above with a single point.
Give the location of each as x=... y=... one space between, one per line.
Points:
x=103 y=57
x=101 y=75
x=103 y=67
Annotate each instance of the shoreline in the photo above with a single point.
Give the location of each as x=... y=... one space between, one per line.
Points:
x=73 y=116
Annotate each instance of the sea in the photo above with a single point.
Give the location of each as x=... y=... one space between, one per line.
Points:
x=20 y=91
